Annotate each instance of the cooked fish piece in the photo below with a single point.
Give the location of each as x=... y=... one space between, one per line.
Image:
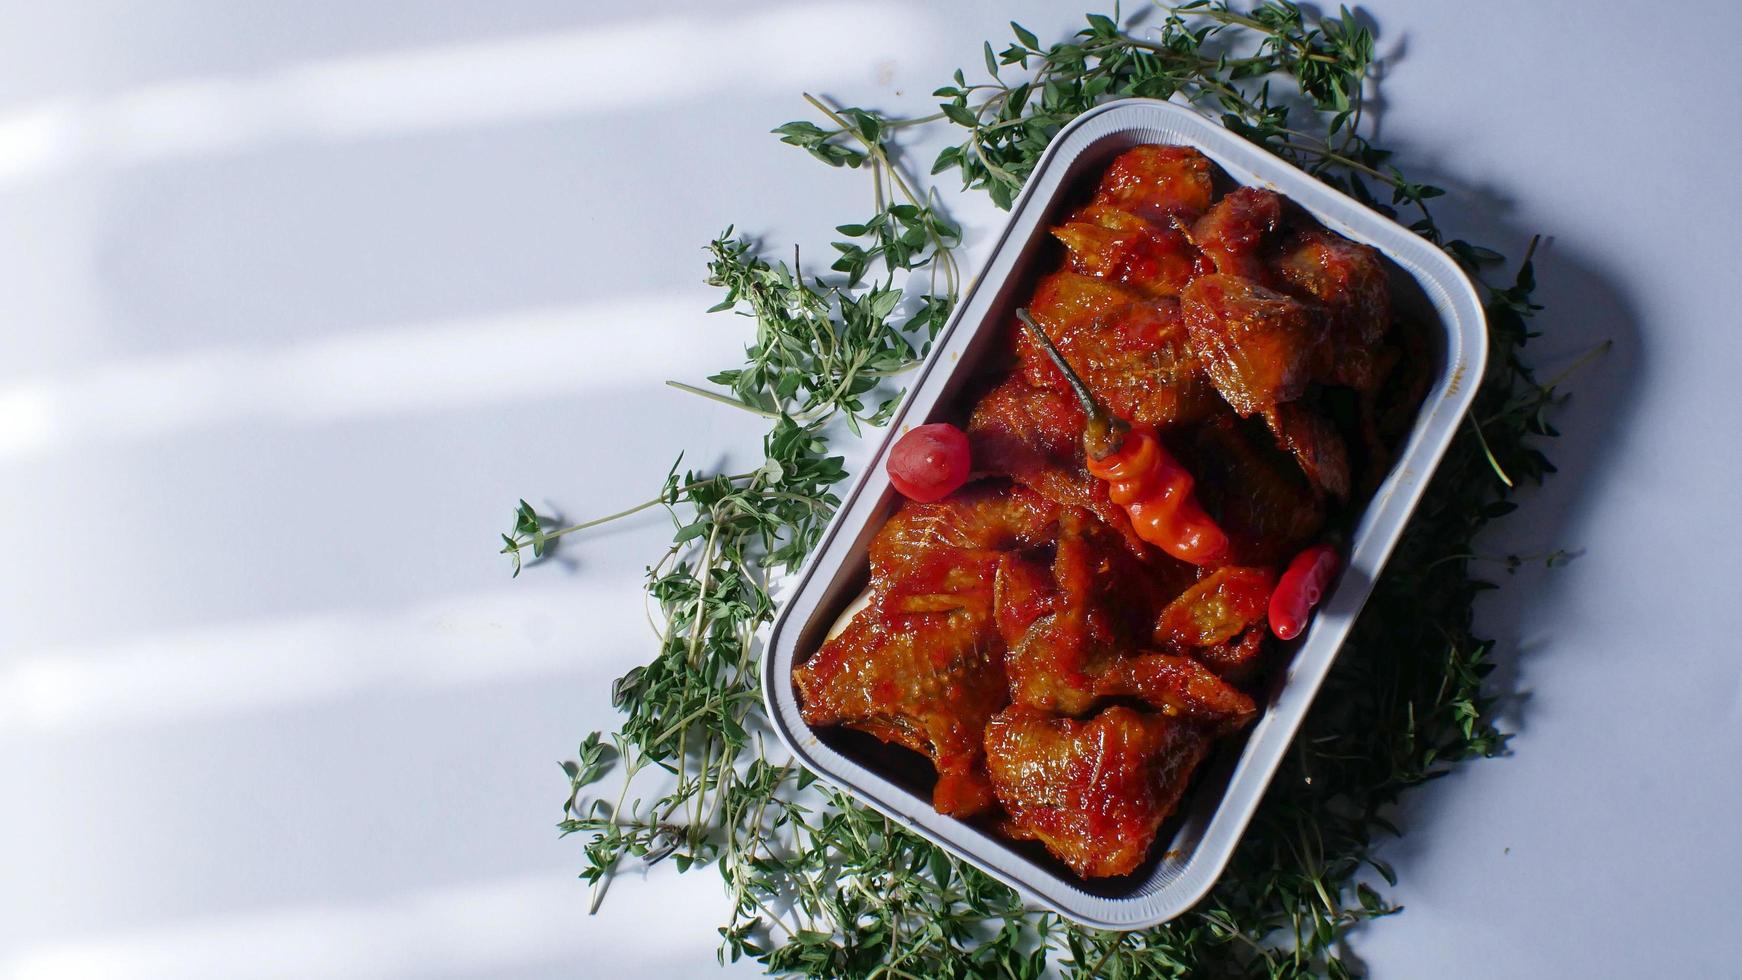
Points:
x=1108 y=242
x=1237 y=230
x=1179 y=686
x=1104 y=603
x=928 y=681
x=1238 y=660
x=1156 y=181
x=1217 y=608
x=1034 y=436
x=1259 y=494
x=921 y=665
x=1347 y=280
x=1131 y=351
x=1258 y=346
x=982 y=519
x=1315 y=444
x=1094 y=792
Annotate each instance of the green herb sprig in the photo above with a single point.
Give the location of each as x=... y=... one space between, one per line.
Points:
x=823 y=352
x=824 y=887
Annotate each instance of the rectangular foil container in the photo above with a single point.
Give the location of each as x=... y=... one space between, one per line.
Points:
x=1196 y=843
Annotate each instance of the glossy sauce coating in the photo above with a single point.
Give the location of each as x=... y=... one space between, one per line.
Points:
x=1064 y=676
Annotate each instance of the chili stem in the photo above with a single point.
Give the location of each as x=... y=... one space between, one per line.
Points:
x=1082 y=391
x=1104 y=433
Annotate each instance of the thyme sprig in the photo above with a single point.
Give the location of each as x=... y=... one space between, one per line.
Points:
x=824 y=887
x=821 y=348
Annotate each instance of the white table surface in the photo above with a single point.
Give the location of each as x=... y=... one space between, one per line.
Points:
x=299 y=298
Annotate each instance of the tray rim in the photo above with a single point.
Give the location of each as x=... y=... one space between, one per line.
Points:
x=1461 y=315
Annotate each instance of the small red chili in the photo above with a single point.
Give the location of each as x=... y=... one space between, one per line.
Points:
x=1141 y=475
x=929 y=462
x=1300 y=589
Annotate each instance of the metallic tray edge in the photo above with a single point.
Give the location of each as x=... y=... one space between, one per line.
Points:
x=1202 y=847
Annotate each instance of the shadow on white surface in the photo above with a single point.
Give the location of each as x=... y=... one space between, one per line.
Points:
x=464 y=85
x=210 y=672
x=292 y=335
x=529 y=354
x=487 y=928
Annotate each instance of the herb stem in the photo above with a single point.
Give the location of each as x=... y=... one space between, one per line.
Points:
x=722 y=399
x=941 y=252
x=595 y=522
x=1489 y=453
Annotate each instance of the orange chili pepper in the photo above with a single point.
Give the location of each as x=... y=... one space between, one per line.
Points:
x=1142 y=476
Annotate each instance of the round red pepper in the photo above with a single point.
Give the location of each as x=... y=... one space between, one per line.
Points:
x=929 y=462
x=1300 y=589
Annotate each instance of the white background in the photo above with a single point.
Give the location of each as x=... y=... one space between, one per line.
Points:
x=298 y=298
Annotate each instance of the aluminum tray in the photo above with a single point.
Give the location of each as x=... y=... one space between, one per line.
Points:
x=1202 y=836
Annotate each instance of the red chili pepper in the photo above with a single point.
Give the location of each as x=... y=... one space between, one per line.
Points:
x=1142 y=476
x=1300 y=589
x=929 y=462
